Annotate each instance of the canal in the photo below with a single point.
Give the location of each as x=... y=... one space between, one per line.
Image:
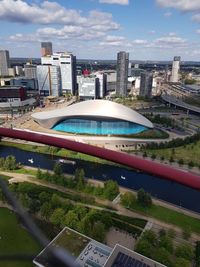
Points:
x=162 y=189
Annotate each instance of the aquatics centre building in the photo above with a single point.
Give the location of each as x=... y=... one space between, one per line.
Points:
x=94 y=117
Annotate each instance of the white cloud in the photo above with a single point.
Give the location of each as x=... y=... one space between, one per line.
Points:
x=139 y=42
x=119 y=2
x=183 y=5
x=168 y=14
x=47 y=13
x=171 y=39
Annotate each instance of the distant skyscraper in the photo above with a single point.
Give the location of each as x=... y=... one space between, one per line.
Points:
x=30 y=71
x=175 y=70
x=49 y=80
x=4 y=62
x=146 y=84
x=46 y=49
x=67 y=64
x=122 y=73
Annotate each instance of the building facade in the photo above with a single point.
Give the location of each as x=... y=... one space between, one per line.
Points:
x=175 y=70
x=46 y=49
x=49 y=80
x=67 y=64
x=30 y=71
x=4 y=62
x=88 y=87
x=122 y=73
x=146 y=84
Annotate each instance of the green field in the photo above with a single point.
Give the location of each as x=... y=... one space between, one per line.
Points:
x=188 y=153
x=14 y=239
x=169 y=216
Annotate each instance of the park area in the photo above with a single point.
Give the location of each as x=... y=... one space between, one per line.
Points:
x=15 y=240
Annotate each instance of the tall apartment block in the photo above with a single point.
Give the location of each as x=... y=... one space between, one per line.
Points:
x=49 y=80
x=67 y=64
x=4 y=62
x=46 y=49
x=146 y=84
x=30 y=71
x=175 y=70
x=122 y=73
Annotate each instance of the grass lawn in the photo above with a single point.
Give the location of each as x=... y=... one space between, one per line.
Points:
x=170 y=216
x=14 y=239
x=187 y=153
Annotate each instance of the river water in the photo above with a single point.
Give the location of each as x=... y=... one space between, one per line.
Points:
x=163 y=189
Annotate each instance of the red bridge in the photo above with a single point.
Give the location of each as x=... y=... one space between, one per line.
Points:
x=154 y=168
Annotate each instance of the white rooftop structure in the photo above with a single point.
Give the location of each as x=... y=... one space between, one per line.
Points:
x=91 y=109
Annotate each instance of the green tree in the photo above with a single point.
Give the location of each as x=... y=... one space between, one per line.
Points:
x=10 y=163
x=44 y=197
x=128 y=199
x=162 y=256
x=71 y=220
x=144 y=247
x=180 y=262
x=57 y=217
x=144 y=198
x=186 y=233
x=166 y=242
x=98 y=231
x=80 y=211
x=55 y=201
x=39 y=174
x=46 y=210
x=185 y=251
x=57 y=169
x=111 y=189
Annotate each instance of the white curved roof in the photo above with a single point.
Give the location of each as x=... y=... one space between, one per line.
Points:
x=91 y=108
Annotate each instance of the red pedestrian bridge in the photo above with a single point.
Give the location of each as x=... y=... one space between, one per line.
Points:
x=163 y=171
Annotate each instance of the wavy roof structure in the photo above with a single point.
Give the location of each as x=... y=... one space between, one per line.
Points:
x=91 y=109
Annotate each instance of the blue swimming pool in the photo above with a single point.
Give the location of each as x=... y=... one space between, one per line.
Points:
x=99 y=127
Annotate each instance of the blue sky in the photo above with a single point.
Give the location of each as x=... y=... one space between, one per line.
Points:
x=98 y=29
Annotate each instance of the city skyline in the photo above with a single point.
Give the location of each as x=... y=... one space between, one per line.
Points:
x=98 y=29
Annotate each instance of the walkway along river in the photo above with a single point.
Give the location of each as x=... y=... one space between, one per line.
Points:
x=163 y=189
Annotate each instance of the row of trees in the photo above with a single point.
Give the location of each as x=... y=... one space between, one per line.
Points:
x=175 y=142
x=109 y=191
x=8 y=163
x=61 y=212
x=160 y=247
x=171 y=159
x=143 y=198
x=166 y=121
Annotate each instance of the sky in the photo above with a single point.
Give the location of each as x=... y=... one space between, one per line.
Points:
x=98 y=29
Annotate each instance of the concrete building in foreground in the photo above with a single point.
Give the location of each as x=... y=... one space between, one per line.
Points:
x=90 y=253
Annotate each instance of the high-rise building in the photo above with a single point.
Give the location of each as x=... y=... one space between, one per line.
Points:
x=175 y=70
x=49 y=80
x=67 y=64
x=146 y=84
x=4 y=62
x=102 y=83
x=46 y=49
x=30 y=71
x=122 y=73
x=88 y=87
